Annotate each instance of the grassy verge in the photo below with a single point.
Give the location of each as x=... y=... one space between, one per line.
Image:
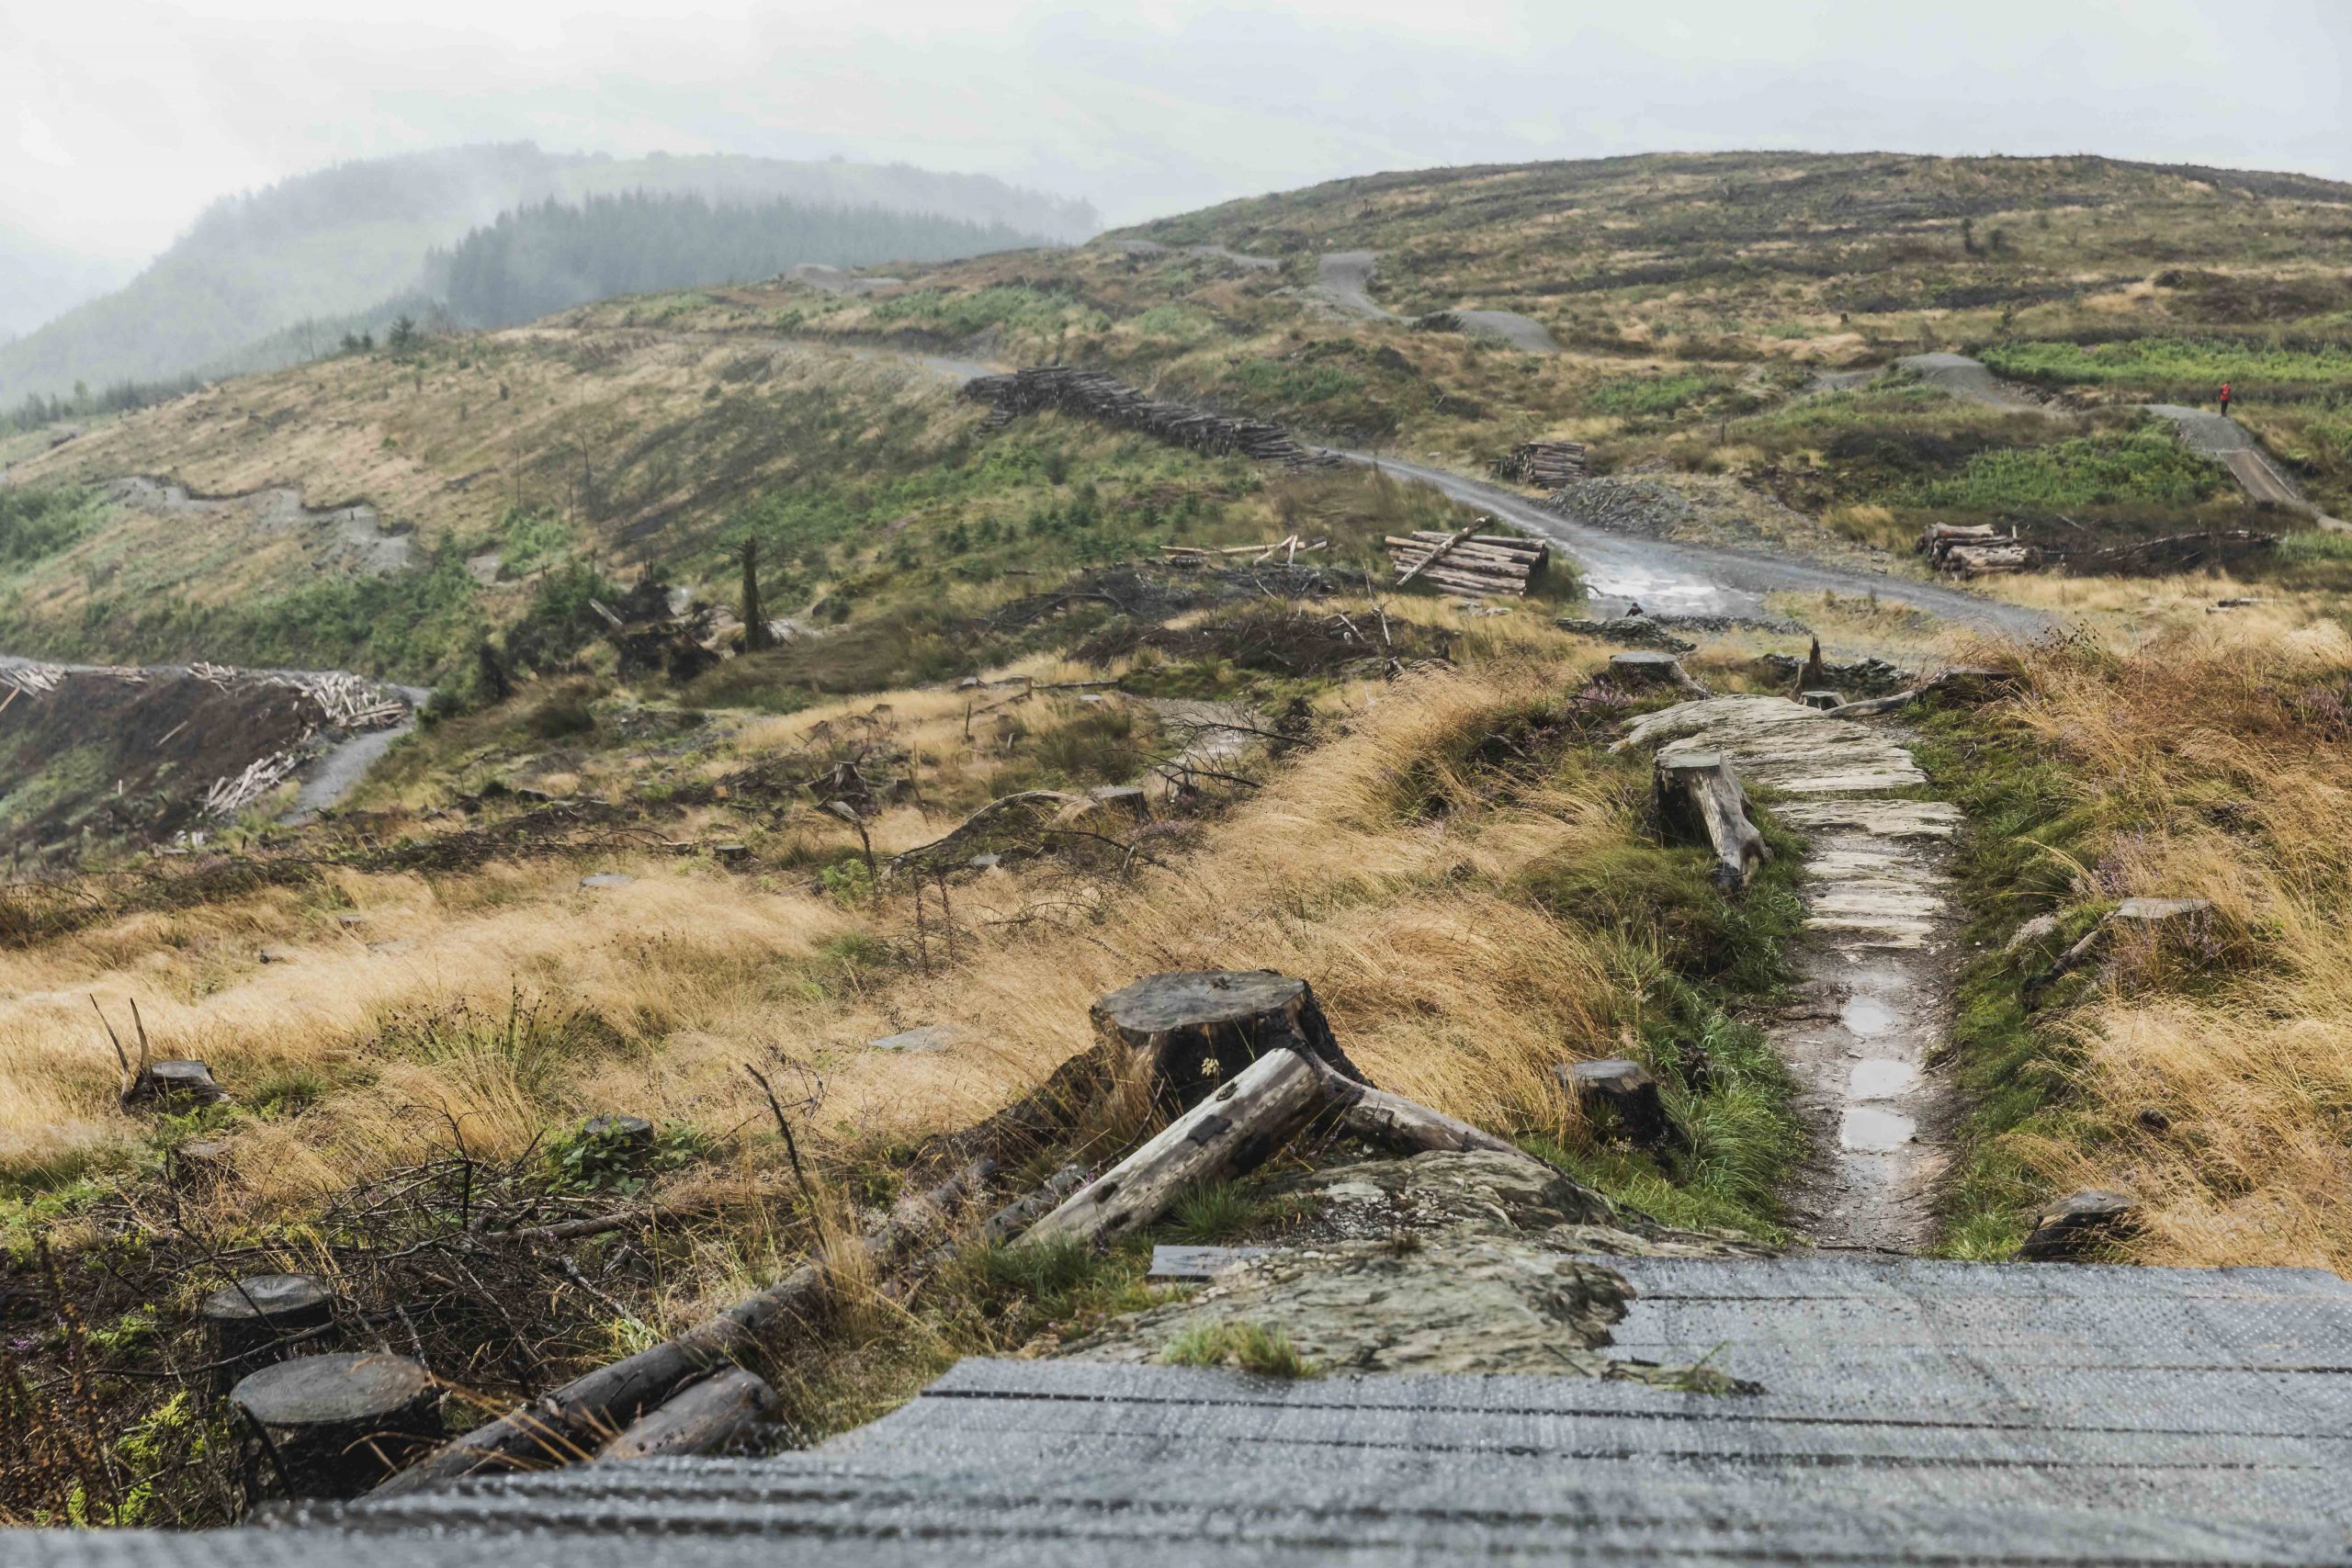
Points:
x=2196 y=1069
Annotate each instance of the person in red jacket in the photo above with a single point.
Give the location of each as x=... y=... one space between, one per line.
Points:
x=2226 y=400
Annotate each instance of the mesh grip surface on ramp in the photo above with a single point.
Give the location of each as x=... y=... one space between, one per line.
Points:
x=1912 y=1413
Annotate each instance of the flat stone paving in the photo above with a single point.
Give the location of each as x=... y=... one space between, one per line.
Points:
x=1910 y=1413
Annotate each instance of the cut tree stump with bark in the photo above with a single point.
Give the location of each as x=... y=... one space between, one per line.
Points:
x=1626 y=1088
x=2080 y=1225
x=719 y=1415
x=1699 y=798
x=1646 y=668
x=331 y=1426
x=260 y=1319
x=173 y=1085
x=1230 y=1133
x=1187 y=1031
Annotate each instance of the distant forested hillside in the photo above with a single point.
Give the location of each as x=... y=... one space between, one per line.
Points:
x=258 y=277
x=545 y=258
x=39 y=281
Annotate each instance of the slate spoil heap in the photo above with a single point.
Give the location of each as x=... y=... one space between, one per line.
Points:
x=1090 y=394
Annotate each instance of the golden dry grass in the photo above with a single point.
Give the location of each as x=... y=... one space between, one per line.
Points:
x=2217 y=763
x=652 y=995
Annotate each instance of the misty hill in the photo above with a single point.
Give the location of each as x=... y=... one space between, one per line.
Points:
x=543 y=258
x=37 y=281
x=333 y=245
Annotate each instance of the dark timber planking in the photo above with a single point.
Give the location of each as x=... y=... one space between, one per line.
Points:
x=1913 y=1413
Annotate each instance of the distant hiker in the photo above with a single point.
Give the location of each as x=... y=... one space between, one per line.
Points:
x=2226 y=400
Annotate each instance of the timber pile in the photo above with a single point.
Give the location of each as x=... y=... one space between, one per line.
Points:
x=1090 y=394
x=1977 y=549
x=1468 y=562
x=230 y=796
x=36 y=679
x=1546 y=464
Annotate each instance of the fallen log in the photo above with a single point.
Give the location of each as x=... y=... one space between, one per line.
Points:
x=718 y=1415
x=1230 y=1133
x=1699 y=796
x=1394 y=1123
x=566 y=1425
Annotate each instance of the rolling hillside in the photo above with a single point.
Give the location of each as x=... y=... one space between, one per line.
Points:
x=234 y=292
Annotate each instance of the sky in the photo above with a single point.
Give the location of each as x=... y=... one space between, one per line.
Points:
x=120 y=120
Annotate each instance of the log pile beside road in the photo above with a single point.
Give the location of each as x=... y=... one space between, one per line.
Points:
x=1977 y=549
x=1467 y=562
x=1546 y=464
x=1090 y=394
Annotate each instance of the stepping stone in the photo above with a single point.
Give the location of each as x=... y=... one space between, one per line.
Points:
x=1190 y=1263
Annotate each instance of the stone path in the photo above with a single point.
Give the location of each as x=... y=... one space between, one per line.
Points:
x=1872 y=966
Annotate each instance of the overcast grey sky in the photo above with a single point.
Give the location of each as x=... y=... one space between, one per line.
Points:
x=121 y=118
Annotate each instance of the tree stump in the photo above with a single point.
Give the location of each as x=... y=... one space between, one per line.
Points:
x=629 y=1134
x=1822 y=698
x=1230 y=1133
x=248 y=1325
x=719 y=1415
x=202 y=1165
x=334 y=1425
x=1699 y=798
x=1121 y=800
x=1646 y=670
x=2080 y=1225
x=1625 y=1088
x=173 y=1085
x=1187 y=1031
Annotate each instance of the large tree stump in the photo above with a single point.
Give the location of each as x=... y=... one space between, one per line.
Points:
x=173 y=1085
x=1625 y=1088
x=1644 y=670
x=2080 y=1225
x=1187 y=1031
x=260 y=1319
x=334 y=1425
x=719 y=1415
x=1699 y=798
x=1229 y=1132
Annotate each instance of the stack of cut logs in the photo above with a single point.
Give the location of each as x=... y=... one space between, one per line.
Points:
x=1467 y=562
x=1977 y=549
x=1547 y=465
x=1090 y=394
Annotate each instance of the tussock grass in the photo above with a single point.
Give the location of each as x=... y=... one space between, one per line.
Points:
x=2211 y=1076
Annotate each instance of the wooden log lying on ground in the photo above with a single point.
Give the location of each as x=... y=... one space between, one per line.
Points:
x=1185 y=1032
x=2148 y=917
x=1699 y=798
x=1989 y=561
x=1962 y=682
x=1230 y=1133
x=719 y=1415
x=566 y=1425
x=1407 y=1126
x=331 y=1426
